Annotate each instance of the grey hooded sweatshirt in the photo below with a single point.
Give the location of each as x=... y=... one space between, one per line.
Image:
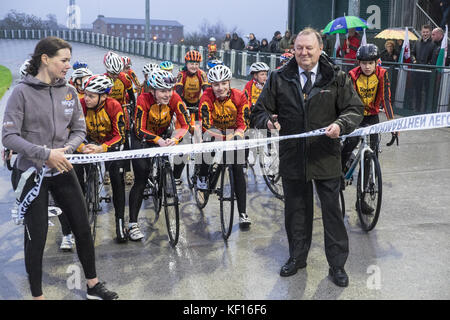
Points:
x=39 y=117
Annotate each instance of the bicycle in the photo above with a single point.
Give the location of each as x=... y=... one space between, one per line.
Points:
x=269 y=163
x=162 y=188
x=93 y=181
x=225 y=192
x=190 y=161
x=369 y=184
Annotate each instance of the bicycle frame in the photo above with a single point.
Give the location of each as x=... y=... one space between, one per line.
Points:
x=363 y=147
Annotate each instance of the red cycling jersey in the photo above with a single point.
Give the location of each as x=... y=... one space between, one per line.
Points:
x=152 y=119
x=230 y=113
x=105 y=124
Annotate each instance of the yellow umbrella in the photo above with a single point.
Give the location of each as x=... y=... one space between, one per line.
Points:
x=396 y=34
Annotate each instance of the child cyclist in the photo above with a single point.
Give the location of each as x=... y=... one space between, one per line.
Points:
x=153 y=116
x=224 y=113
x=77 y=78
x=121 y=91
x=105 y=126
x=147 y=70
x=166 y=66
x=191 y=82
x=371 y=82
x=259 y=72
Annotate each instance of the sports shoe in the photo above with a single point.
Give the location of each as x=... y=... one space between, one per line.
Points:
x=120 y=231
x=99 y=292
x=53 y=211
x=67 y=243
x=129 y=178
x=202 y=183
x=106 y=179
x=134 y=232
x=244 y=220
x=179 y=185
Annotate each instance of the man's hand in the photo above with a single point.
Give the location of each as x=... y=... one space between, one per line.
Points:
x=58 y=161
x=273 y=125
x=333 y=131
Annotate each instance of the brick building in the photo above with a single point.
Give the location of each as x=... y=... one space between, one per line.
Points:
x=160 y=30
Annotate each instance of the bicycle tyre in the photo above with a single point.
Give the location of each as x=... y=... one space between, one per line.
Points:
x=273 y=181
x=201 y=196
x=372 y=192
x=190 y=171
x=92 y=198
x=171 y=204
x=226 y=194
x=154 y=181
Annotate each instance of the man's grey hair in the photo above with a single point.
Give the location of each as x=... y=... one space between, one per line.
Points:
x=440 y=30
x=307 y=31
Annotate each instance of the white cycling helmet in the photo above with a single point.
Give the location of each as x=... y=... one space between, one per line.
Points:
x=212 y=39
x=113 y=62
x=161 y=79
x=150 y=67
x=81 y=73
x=98 y=83
x=23 y=68
x=219 y=73
x=258 y=67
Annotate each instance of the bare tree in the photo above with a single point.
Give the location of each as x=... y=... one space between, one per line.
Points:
x=20 y=20
x=205 y=31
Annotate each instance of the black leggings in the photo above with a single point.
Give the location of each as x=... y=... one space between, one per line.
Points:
x=117 y=184
x=240 y=186
x=66 y=191
x=141 y=168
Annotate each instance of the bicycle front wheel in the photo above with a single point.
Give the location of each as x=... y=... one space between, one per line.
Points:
x=269 y=164
x=92 y=198
x=171 y=208
x=226 y=198
x=369 y=192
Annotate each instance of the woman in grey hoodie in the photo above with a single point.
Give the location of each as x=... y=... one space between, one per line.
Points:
x=43 y=120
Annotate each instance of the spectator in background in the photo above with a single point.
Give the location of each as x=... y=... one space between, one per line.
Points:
x=275 y=43
x=398 y=46
x=437 y=35
x=327 y=44
x=445 y=6
x=389 y=54
x=264 y=47
x=236 y=42
x=253 y=43
x=285 y=42
x=422 y=52
x=351 y=44
x=226 y=42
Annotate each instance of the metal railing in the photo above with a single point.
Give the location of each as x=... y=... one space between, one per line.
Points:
x=406 y=79
x=421 y=18
x=238 y=61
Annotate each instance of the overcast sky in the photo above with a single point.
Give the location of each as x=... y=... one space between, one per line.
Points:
x=262 y=17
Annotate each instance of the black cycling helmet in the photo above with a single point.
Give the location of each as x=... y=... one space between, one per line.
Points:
x=368 y=52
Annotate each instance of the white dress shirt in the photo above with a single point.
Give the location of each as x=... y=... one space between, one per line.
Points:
x=303 y=78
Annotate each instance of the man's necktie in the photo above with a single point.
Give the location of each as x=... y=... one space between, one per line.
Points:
x=308 y=84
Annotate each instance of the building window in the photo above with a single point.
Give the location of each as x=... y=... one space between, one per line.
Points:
x=142 y=27
x=112 y=26
x=135 y=27
x=156 y=28
x=135 y=35
x=128 y=35
x=163 y=28
x=128 y=27
x=170 y=36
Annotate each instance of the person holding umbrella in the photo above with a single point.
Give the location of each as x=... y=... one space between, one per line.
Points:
x=348 y=25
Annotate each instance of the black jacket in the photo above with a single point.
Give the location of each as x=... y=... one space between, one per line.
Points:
x=436 y=51
x=275 y=45
x=423 y=51
x=332 y=100
x=253 y=43
x=237 y=44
